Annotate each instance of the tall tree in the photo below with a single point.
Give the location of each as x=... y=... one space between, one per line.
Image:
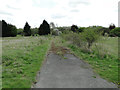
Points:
x=112 y=26
x=27 y=30
x=44 y=28
x=4 y=29
x=8 y=30
x=74 y=28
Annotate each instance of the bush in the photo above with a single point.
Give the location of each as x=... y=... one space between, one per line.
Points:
x=90 y=35
x=115 y=32
x=44 y=28
x=27 y=31
x=81 y=29
x=34 y=31
x=19 y=31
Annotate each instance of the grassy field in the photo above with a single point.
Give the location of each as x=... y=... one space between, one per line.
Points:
x=22 y=58
x=106 y=63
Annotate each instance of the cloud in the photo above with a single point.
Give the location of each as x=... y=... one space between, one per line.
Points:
x=61 y=12
x=75 y=3
x=58 y=16
x=44 y=3
x=6 y=13
x=74 y=10
x=10 y=7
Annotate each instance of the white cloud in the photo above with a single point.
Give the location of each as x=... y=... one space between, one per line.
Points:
x=61 y=12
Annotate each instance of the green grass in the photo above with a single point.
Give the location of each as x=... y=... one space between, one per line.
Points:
x=22 y=58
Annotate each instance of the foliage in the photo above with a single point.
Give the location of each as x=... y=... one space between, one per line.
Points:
x=90 y=35
x=115 y=32
x=20 y=31
x=8 y=30
x=27 y=30
x=44 y=28
x=74 y=28
x=112 y=26
x=63 y=29
x=81 y=29
x=34 y=31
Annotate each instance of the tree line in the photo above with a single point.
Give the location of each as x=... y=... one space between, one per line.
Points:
x=9 y=30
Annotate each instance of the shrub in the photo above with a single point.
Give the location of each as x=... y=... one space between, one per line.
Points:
x=27 y=31
x=115 y=32
x=90 y=35
x=20 y=31
x=81 y=29
x=34 y=31
x=44 y=28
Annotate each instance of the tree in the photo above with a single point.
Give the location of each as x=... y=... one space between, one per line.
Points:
x=112 y=26
x=44 y=28
x=52 y=25
x=8 y=30
x=74 y=28
x=4 y=29
x=27 y=30
x=12 y=30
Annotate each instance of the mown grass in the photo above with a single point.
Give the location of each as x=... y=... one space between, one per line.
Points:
x=22 y=58
x=105 y=63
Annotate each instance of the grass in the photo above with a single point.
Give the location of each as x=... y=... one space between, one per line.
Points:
x=106 y=66
x=22 y=58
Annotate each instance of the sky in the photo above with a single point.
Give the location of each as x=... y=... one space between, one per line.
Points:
x=83 y=13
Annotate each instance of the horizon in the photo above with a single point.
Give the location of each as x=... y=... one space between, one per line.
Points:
x=82 y=13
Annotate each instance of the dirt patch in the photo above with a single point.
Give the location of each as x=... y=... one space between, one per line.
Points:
x=59 y=49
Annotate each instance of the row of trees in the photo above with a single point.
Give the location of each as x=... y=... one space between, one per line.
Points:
x=9 y=30
x=44 y=29
x=111 y=31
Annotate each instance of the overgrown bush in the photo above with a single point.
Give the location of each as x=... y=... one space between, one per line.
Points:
x=81 y=29
x=115 y=32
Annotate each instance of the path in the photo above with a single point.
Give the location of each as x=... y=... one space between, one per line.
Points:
x=68 y=72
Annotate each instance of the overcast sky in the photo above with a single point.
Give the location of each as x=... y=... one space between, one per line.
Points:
x=61 y=12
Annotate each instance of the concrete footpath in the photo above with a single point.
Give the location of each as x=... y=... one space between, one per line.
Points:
x=68 y=72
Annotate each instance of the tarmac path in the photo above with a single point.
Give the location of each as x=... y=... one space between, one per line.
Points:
x=69 y=72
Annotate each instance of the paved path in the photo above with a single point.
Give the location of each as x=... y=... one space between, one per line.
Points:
x=69 y=72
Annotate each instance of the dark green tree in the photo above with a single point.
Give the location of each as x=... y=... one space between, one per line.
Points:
x=44 y=28
x=4 y=29
x=8 y=30
x=12 y=30
x=74 y=28
x=112 y=26
x=27 y=30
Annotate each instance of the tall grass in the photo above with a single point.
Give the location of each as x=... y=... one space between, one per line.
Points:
x=21 y=60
